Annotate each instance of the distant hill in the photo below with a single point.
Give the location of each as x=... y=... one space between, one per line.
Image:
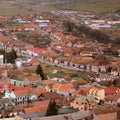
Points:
x=89 y=5
x=23 y=7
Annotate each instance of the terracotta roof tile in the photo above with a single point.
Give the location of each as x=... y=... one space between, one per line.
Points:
x=22 y=93
x=82 y=91
x=34 y=78
x=3 y=38
x=50 y=95
x=65 y=87
x=111 y=90
x=30 y=25
x=38 y=91
x=32 y=61
x=35 y=109
x=41 y=103
x=37 y=50
x=22 y=88
x=57 y=85
x=60 y=35
x=47 y=82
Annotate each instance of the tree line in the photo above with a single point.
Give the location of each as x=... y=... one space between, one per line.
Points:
x=8 y=57
x=83 y=30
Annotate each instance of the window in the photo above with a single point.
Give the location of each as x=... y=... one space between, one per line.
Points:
x=85 y=108
x=85 y=103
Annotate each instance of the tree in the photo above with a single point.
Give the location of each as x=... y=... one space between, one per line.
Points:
x=68 y=26
x=12 y=56
x=52 y=109
x=109 y=69
x=39 y=71
x=9 y=57
x=116 y=82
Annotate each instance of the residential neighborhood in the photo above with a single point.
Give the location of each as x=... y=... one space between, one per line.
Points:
x=63 y=58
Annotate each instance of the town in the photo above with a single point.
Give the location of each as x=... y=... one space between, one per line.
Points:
x=63 y=64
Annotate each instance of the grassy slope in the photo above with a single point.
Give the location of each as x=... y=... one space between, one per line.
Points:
x=91 y=5
x=23 y=7
x=6 y=8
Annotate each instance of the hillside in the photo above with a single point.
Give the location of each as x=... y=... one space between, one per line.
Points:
x=90 y=5
x=23 y=7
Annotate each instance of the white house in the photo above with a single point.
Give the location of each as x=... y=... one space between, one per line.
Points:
x=1 y=59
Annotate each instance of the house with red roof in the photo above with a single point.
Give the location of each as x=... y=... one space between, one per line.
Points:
x=5 y=82
x=32 y=79
x=66 y=89
x=17 y=28
x=58 y=36
x=112 y=90
x=29 y=27
x=49 y=96
x=19 y=94
x=37 y=106
x=35 y=51
x=81 y=91
x=56 y=86
x=38 y=91
x=34 y=62
x=99 y=66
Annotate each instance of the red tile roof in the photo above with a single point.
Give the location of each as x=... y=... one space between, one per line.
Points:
x=82 y=91
x=21 y=88
x=60 y=35
x=30 y=26
x=66 y=87
x=3 y=38
x=38 y=106
x=38 y=91
x=32 y=61
x=56 y=85
x=35 y=109
x=100 y=63
x=38 y=50
x=41 y=103
x=34 y=78
x=22 y=93
x=111 y=90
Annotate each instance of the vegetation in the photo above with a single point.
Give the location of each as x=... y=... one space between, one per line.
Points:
x=24 y=7
x=90 y=5
x=84 y=31
x=9 y=57
x=39 y=71
x=52 y=109
x=36 y=39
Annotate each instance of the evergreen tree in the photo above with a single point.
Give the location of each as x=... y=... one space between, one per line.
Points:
x=69 y=28
x=9 y=57
x=39 y=71
x=52 y=109
x=109 y=69
x=13 y=56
